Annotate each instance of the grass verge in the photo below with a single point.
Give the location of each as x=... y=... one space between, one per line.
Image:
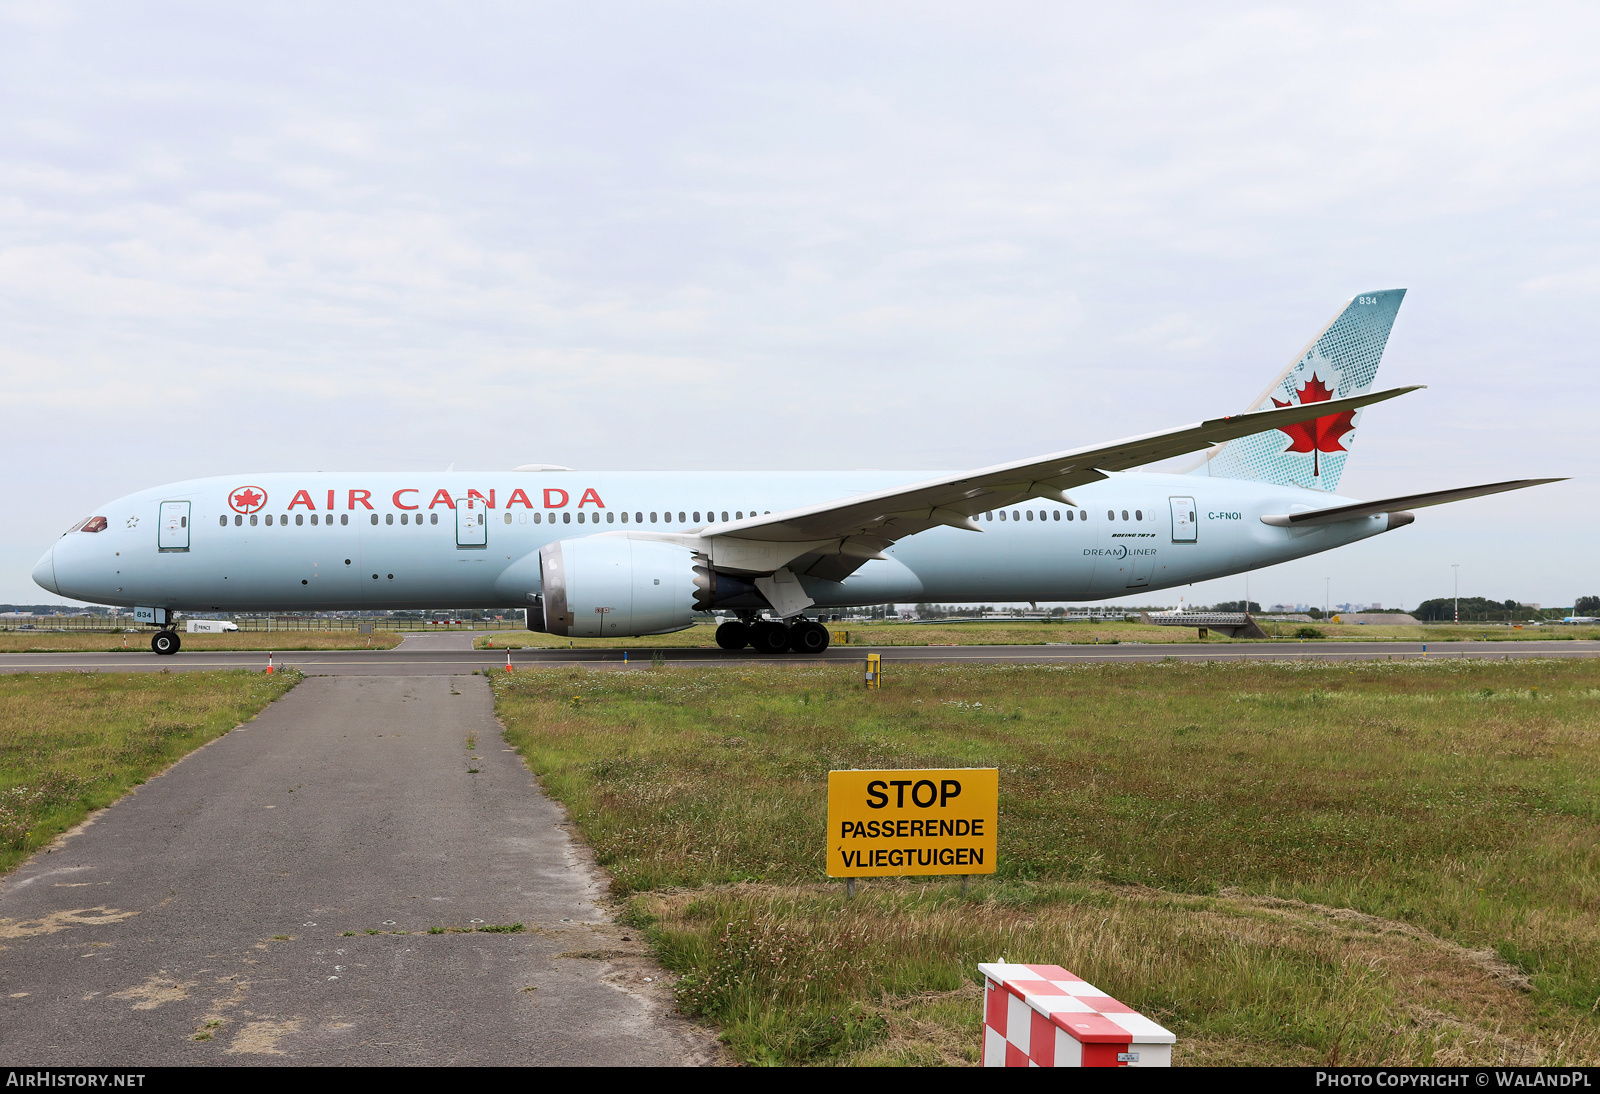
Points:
x=71 y=743
x=1032 y=633
x=1374 y=862
x=139 y=641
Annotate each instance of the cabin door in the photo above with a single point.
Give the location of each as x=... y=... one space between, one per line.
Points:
x=1184 y=527
x=174 y=531
x=472 y=523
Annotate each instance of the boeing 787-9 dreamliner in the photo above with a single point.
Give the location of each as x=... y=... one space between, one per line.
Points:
x=638 y=553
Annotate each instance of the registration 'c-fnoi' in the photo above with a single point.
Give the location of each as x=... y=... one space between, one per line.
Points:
x=899 y=823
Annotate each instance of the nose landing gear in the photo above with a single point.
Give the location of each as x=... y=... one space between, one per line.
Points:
x=166 y=642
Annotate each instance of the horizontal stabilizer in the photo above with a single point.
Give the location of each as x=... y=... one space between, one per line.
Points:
x=1391 y=505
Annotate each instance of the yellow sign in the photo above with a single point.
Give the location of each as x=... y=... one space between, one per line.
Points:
x=895 y=823
x=874 y=670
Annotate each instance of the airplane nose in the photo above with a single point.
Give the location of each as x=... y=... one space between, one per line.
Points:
x=44 y=571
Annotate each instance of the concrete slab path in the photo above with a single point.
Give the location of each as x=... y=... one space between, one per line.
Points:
x=267 y=900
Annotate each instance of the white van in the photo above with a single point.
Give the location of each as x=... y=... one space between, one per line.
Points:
x=211 y=626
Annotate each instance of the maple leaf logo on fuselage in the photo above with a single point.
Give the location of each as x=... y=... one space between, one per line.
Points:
x=1320 y=434
x=247 y=499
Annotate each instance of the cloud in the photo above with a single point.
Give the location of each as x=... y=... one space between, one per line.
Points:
x=731 y=236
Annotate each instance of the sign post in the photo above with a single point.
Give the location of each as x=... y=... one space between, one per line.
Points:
x=874 y=671
x=916 y=822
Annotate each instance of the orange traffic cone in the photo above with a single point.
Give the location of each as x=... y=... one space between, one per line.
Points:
x=508 y=660
x=269 y=664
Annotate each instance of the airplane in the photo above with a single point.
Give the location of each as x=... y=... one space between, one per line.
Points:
x=608 y=554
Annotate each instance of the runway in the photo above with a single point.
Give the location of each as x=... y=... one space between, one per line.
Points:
x=445 y=655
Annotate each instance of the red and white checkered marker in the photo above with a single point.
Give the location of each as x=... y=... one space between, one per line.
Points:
x=1043 y=1016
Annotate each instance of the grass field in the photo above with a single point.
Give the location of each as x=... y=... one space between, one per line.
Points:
x=1002 y=633
x=71 y=743
x=1302 y=863
x=139 y=642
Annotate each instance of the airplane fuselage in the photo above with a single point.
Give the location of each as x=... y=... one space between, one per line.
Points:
x=337 y=541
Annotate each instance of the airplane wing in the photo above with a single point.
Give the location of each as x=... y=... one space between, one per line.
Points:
x=1338 y=513
x=845 y=533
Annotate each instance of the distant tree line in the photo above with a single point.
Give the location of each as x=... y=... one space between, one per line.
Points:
x=1474 y=609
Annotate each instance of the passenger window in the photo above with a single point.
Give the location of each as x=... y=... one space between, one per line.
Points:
x=1030 y=514
x=223 y=520
x=988 y=515
x=508 y=518
x=538 y=518
x=566 y=518
x=388 y=518
x=1111 y=514
x=1058 y=514
x=252 y=520
x=1124 y=514
x=1138 y=514
x=652 y=518
x=1002 y=514
x=611 y=518
x=313 y=518
x=580 y=518
x=739 y=515
x=724 y=514
x=344 y=518
x=682 y=519
x=433 y=518
x=1015 y=515
x=638 y=518
x=238 y=521
x=1069 y=514
x=374 y=519
x=697 y=516
x=299 y=519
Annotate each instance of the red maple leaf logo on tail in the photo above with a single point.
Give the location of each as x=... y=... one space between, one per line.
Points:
x=1320 y=434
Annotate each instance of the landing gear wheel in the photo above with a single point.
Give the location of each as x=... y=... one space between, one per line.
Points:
x=769 y=637
x=165 y=642
x=808 y=637
x=733 y=635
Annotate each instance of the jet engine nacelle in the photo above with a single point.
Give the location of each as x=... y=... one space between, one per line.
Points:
x=600 y=586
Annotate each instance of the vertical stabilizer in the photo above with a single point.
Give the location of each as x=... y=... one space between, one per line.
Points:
x=1341 y=360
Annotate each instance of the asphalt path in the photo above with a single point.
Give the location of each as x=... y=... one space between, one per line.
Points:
x=269 y=900
x=452 y=655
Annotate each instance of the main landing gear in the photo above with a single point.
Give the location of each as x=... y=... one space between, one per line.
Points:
x=765 y=636
x=165 y=642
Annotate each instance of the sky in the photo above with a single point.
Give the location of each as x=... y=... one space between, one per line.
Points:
x=690 y=236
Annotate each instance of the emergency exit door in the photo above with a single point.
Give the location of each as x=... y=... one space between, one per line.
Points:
x=174 y=528
x=1184 y=527
x=472 y=523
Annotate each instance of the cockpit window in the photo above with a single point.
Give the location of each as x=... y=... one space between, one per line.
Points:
x=88 y=524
